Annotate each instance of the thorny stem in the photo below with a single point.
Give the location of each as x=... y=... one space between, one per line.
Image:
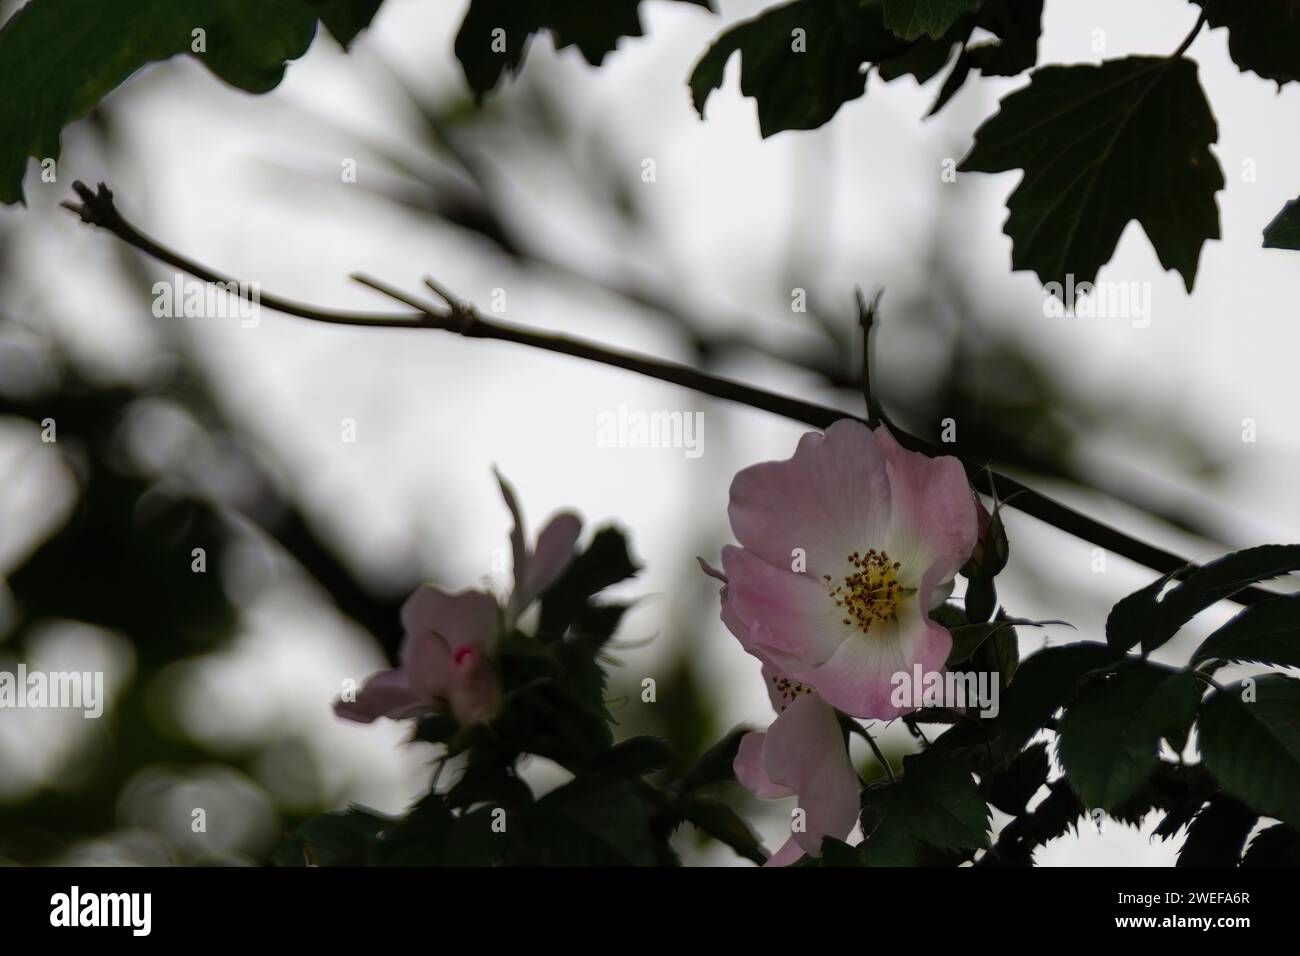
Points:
x=98 y=208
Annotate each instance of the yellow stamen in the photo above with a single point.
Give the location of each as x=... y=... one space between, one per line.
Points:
x=871 y=593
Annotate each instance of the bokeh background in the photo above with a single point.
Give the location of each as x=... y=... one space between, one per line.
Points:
x=183 y=433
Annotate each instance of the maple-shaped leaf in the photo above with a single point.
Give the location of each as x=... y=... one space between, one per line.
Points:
x=910 y=19
x=1102 y=146
x=494 y=36
x=59 y=58
x=801 y=61
x=1263 y=35
x=1284 y=231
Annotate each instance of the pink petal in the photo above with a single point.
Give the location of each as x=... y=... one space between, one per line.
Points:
x=805 y=751
x=553 y=554
x=830 y=499
x=750 y=769
x=426 y=659
x=790 y=852
x=786 y=618
x=387 y=694
x=934 y=521
x=859 y=678
x=467 y=617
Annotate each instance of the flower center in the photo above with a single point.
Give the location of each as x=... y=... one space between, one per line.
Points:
x=871 y=592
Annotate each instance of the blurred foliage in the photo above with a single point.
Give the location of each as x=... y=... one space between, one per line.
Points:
x=619 y=808
x=122 y=559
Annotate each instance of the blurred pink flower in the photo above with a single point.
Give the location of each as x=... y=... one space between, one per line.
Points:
x=445 y=661
x=803 y=754
x=447 y=655
x=844 y=549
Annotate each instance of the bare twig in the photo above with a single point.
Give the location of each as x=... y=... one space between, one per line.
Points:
x=98 y=208
x=867 y=314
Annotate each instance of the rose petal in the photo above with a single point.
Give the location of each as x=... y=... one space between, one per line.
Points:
x=859 y=678
x=790 y=852
x=387 y=694
x=467 y=617
x=750 y=769
x=553 y=554
x=787 y=619
x=933 y=522
x=830 y=499
x=805 y=751
x=426 y=659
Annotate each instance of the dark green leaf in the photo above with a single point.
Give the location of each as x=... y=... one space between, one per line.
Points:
x=634 y=757
x=1101 y=146
x=968 y=742
x=548 y=721
x=1109 y=738
x=967 y=638
x=333 y=839
x=595 y=29
x=912 y=18
x=437 y=728
x=1016 y=26
x=951 y=616
x=837 y=854
x=1012 y=787
x=1284 y=231
x=481 y=838
x=1180 y=789
x=1250 y=741
x=604 y=563
x=720 y=822
x=717 y=763
x=419 y=838
x=591 y=822
x=1000 y=655
x=1279 y=845
x=935 y=803
x=1268 y=633
x=924 y=58
x=981 y=599
x=799 y=88
x=1059 y=811
x=1218 y=834
x=345 y=18
x=59 y=58
x=489 y=777
x=1135 y=616
x=1141 y=617
x=1045 y=682
x=1263 y=35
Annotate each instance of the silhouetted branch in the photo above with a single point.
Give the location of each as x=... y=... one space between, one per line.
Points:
x=98 y=208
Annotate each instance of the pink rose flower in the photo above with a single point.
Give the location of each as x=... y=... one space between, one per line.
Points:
x=844 y=549
x=447 y=655
x=802 y=754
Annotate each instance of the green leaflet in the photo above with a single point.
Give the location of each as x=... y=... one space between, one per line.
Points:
x=59 y=58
